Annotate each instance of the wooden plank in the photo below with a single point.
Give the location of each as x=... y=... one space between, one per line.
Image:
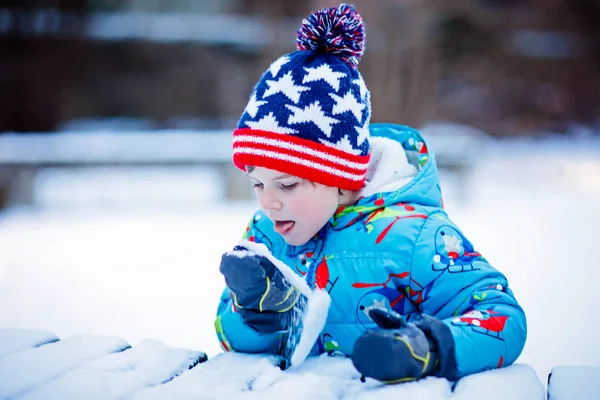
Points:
x=26 y=370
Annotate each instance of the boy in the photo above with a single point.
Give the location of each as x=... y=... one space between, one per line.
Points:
x=356 y=210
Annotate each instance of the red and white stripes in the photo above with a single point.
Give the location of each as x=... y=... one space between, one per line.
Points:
x=304 y=158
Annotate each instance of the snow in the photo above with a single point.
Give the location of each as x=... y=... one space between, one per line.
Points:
x=313 y=322
x=121 y=374
x=574 y=382
x=151 y=271
x=134 y=273
x=317 y=308
x=20 y=372
x=453 y=141
x=514 y=382
x=152 y=370
x=113 y=186
x=326 y=377
x=286 y=271
x=14 y=340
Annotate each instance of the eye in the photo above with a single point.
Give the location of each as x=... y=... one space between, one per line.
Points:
x=289 y=187
x=257 y=185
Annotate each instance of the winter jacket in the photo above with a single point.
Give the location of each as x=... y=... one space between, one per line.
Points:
x=395 y=249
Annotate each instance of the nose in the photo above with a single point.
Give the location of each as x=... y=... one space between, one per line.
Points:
x=268 y=201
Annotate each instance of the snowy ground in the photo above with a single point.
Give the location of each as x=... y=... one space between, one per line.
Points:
x=103 y=368
x=150 y=271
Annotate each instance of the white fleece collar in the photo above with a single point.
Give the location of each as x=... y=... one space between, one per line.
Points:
x=388 y=168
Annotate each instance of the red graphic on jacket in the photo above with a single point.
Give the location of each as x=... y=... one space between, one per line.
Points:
x=405 y=211
x=421 y=294
x=488 y=322
x=321 y=277
x=375 y=209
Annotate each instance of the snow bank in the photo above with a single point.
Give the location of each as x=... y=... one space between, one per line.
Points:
x=574 y=382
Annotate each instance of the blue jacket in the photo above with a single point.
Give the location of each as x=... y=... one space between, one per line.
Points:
x=397 y=250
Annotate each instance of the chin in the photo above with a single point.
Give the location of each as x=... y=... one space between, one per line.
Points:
x=295 y=241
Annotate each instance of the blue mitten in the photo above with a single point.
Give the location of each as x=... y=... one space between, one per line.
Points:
x=259 y=291
x=401 y=352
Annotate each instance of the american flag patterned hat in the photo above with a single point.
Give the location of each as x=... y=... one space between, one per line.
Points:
x=309 y=113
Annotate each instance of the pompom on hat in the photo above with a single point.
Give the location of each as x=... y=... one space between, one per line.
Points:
x=309 y=113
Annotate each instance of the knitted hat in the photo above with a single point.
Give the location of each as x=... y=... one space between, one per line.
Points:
x=309 y=113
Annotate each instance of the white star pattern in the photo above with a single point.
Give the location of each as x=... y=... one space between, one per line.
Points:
x=376 y=305
x=285 y=85
x=347 y=103
x=312 y=113
x=344 y=145
x=325 y=73
x=361 y=85
x=253 y=105
x=363 y=133
x=277 y=64
x=368 y=115
x=269 y=123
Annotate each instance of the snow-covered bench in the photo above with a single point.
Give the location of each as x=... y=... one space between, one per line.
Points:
x=23 y=155
x=37 y=365
x=574 y=383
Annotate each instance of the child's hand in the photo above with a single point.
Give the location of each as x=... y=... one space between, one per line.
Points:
x=398 y=352
x=257 y=287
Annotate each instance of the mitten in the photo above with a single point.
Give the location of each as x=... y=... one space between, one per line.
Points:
x=259 y=291
x=401 y=352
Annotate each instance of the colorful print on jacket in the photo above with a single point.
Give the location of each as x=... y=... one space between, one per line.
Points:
x=396 y=250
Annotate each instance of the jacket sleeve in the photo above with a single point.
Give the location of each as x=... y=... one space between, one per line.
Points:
x=232 y=332
x=235 y=335
x=454 y=283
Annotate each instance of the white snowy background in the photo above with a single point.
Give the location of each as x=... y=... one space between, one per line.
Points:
x=135 y=254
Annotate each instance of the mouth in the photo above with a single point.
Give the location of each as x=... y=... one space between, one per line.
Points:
x=284 y=227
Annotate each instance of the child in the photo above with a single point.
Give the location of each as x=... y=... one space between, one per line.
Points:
x=356 y=210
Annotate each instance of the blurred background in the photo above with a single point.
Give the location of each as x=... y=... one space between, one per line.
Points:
x=509 y=67
x=117 y=194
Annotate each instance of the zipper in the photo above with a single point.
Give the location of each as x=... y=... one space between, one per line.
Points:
x=317 y=255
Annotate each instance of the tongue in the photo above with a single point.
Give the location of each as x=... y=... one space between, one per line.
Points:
x=283 y=226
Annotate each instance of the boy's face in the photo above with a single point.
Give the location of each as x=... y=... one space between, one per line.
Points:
x=299 y=208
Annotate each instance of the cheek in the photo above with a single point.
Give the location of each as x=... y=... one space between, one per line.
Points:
x=315 y=209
